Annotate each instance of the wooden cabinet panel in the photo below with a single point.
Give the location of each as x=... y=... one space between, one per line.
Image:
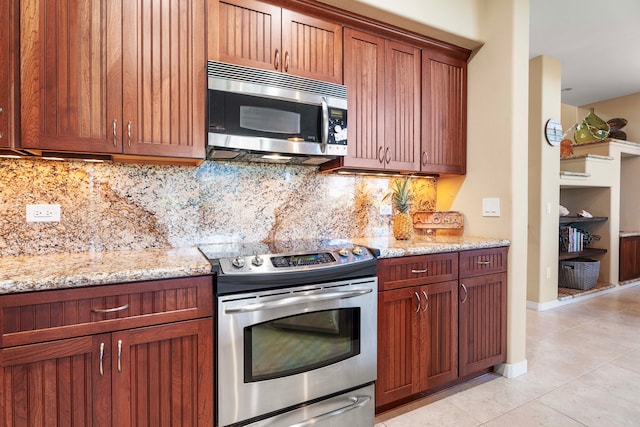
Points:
x=58 y=381
x=364 y=77
x=248 y=33
x=482 y=322
x=629 y=258
x=396 y=273
x=402 y=107
x=164 y=78
x=311 y=47
x=261 y=35
x=71 y=75
x=165 y=375
x=440 y=344
x=483 y=261
x=398 y=345
x=444 y=113
x=66 y=313
x=8 y=73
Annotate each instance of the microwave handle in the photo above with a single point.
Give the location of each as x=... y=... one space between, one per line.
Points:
x=305 y=298
x=324 y=132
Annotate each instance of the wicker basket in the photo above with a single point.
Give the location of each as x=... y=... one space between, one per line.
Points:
x=579 y=273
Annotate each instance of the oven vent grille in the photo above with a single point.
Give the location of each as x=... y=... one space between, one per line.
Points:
x=238 y=73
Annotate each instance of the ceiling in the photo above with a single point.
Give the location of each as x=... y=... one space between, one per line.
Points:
x=597 y=43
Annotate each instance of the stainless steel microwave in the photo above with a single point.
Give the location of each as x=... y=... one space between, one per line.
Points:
x=268 y=116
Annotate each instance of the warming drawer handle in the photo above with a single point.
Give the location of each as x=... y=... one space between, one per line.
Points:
x=357 y=402
x=305 y=298
x=110 y=310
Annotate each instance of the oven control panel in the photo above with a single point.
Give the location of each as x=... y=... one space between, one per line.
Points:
x=273 y=263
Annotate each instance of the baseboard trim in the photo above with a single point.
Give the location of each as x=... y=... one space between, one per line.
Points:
x=511 y=370
x=542 y=306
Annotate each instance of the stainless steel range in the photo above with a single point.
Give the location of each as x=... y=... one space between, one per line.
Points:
x=296 y=334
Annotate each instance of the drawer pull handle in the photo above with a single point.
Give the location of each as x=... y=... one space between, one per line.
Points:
x=119 y=354
x=110 y=310
x=101 y=357
x=419 y=271
x=484 y=262
x=419 y=304
x=466 y=293
x=426 y=298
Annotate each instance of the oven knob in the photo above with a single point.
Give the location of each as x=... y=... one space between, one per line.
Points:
x=343 y=252
x=257 y=261
x=238 y=262
x=357 y=251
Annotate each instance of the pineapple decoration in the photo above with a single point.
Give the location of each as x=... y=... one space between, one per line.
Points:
x=402 y=222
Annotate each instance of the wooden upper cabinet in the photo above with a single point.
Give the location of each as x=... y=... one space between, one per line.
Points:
x=402 y=107
x=261 y=35
x=364 y=78
x=383 y=97
x=114 y=77
x=164 y=78
x=444 y=113
x=71 y=66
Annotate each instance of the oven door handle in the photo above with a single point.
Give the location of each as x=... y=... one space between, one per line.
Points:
x=357 y=402
x=305 y=298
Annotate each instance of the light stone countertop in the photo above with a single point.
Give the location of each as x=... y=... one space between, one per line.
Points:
x=629 y=233
x=43 y=272
x=389 y=247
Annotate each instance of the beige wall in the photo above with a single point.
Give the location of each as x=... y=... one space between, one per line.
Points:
x=497 y=149
x=453 y=21
x=627 y=107
x=544 y=170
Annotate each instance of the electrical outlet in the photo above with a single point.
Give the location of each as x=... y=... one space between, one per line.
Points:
x=43 y=213
x=385 y=209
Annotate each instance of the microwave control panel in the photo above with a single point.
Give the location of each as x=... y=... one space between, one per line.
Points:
x=337 y=127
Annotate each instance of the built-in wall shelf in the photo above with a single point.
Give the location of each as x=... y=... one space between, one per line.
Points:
x=576 y=219
x=589 y=252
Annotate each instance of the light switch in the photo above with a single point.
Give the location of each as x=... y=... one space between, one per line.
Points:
x=491 y=206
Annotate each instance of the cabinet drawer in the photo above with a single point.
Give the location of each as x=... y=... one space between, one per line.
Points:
x=483 y=261
x=394 y=273
x=50 y=315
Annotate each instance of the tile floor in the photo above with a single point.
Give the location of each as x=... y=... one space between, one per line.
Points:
x=583 y=370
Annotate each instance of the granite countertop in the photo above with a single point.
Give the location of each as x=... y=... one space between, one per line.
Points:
x=34 y=273
x=388 y=247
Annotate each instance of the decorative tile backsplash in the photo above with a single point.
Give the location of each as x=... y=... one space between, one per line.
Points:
x=111 y=206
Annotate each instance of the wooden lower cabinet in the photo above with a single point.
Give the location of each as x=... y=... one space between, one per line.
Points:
x=417 y=340
x=482 y=322
x=629 y=258
x=449 y=326
x=160 y=375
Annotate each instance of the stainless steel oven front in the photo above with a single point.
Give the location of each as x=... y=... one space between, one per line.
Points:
x=290 y=347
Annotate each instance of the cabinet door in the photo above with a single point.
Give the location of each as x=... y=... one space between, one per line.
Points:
x=245 y=32
x=164 y=375
x=629 y=258
x=311 y=47
x=402 y=107
x=444 y=113
x=8 y=72
x=71 y=62
x=440 y=343
x=482 y=322
x=364 y=78
x=56 y=383
x=398 y=345
x=164 y=78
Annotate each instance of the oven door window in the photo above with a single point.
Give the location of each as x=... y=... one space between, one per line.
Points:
x=300 y=343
